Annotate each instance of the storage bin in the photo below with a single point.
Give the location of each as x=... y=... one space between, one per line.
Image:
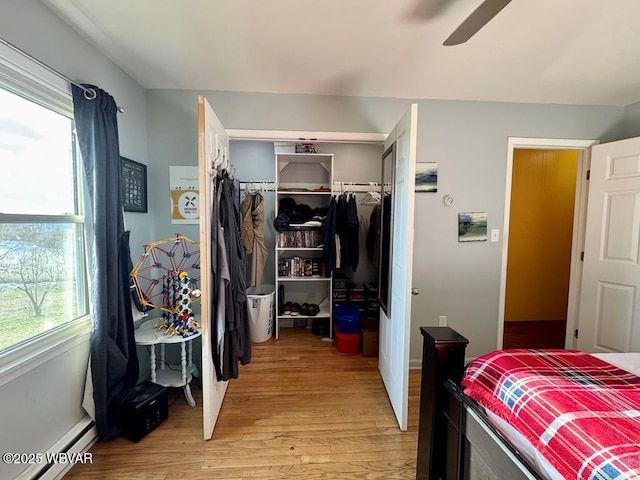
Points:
x=370 y=290
x=340 y=283
x=357 y=294
x=347 y=342
x=347 y=318
x=339 y=294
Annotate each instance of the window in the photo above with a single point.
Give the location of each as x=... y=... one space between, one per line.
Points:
x=43 y=285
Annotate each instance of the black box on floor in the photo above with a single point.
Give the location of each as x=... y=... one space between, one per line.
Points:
x=141 y=409
x=320 y=326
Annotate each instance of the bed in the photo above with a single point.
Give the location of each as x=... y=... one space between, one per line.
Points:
x=490 y=437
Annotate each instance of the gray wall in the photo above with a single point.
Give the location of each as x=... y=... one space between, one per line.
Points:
x=44 y=404
x=469 y=142
x=467 y=139
x=632 y=120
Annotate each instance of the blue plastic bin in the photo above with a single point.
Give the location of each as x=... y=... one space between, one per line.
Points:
x=347 y=318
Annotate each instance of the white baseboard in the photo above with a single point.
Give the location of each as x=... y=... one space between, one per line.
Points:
x=76 y=441
x=415 y=364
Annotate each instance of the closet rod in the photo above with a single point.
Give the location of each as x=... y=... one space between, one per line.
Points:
x=357 y=187
x=265 y=186
x=89 y=93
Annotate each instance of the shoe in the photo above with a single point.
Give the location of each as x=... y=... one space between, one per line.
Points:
x=304 y=309
x=295 y=309
x=287 y=308
x=313 y=309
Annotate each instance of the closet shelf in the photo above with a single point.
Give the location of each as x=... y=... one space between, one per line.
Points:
x=301 y=192
x=307 y=179
x=323 y=313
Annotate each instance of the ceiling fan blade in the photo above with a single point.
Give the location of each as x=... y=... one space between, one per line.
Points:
x=474 y=22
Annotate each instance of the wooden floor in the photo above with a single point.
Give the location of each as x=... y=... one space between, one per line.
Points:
x=536 y=334
x=300 y=410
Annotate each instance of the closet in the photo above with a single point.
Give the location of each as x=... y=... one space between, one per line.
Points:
x=349 y=169
x=399 y=152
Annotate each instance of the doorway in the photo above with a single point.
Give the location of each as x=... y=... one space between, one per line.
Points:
x=545 y=208
x=543 y=186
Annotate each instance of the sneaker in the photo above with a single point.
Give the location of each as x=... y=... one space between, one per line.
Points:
x=313 y=309
x=287 y=308
x=304 y=309
x=295 y=309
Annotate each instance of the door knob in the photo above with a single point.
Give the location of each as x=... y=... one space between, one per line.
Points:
x=415 y=291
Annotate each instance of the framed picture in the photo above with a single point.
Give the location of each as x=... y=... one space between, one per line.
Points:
x=472 y=227
x=427 y=177
x=134 y=186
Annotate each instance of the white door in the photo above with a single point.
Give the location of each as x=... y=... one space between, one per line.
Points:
x=395 y=328
x=213 y=146
x=610 y=296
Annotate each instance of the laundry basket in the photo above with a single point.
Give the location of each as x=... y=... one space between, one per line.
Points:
x=260 y=306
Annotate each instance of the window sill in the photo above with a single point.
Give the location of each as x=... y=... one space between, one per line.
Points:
x=20 y=360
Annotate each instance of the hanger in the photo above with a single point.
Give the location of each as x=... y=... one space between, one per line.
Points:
x=372 y=197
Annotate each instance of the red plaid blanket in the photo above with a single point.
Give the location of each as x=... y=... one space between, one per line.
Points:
x=581 y=413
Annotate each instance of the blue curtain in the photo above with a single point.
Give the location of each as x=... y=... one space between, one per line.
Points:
x=114 y=362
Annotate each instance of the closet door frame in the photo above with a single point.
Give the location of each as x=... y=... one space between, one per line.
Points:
x=300 y=135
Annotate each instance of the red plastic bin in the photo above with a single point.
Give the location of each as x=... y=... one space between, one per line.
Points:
x=347 y=342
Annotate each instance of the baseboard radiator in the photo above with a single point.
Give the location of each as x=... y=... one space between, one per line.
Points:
x=68 y=450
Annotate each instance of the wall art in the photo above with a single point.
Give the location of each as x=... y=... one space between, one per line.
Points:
x=134 y=186
x=427 y=177
x=185 y=194
x=472 y=227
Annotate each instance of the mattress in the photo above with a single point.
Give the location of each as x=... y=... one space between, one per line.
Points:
x=626 y=361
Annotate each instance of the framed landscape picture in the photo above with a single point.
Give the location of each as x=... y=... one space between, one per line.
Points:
x=427 y=177
x=134 y=186
x=472 y=227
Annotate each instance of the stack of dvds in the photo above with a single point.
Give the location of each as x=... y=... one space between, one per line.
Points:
x=299 y=239
x=299 y=267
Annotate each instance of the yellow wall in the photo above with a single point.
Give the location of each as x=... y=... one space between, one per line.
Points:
x=540 y=230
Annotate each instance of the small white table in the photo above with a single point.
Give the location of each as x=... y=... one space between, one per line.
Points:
x=171 y=375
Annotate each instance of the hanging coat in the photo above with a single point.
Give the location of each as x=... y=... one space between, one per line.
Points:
x=328 y=235
x=220 y=288
x=237 y=343
x=341 y=230
x=373 y=236
x=252 y=209
x=247 y=223
x=353 y=233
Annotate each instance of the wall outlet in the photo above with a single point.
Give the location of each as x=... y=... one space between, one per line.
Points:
x=442 y=320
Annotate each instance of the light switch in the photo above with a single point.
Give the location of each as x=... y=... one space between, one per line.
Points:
x=495 y=235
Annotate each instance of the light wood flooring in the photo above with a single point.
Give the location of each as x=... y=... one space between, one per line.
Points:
x=300 y=410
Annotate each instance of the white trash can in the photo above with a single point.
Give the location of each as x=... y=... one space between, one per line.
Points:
x=260 y=306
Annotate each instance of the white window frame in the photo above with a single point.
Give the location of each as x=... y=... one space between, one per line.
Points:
x=26 y=78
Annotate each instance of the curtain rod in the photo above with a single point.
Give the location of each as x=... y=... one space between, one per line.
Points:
x=89 y=93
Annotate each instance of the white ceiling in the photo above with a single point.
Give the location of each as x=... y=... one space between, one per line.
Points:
x=548 y=51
